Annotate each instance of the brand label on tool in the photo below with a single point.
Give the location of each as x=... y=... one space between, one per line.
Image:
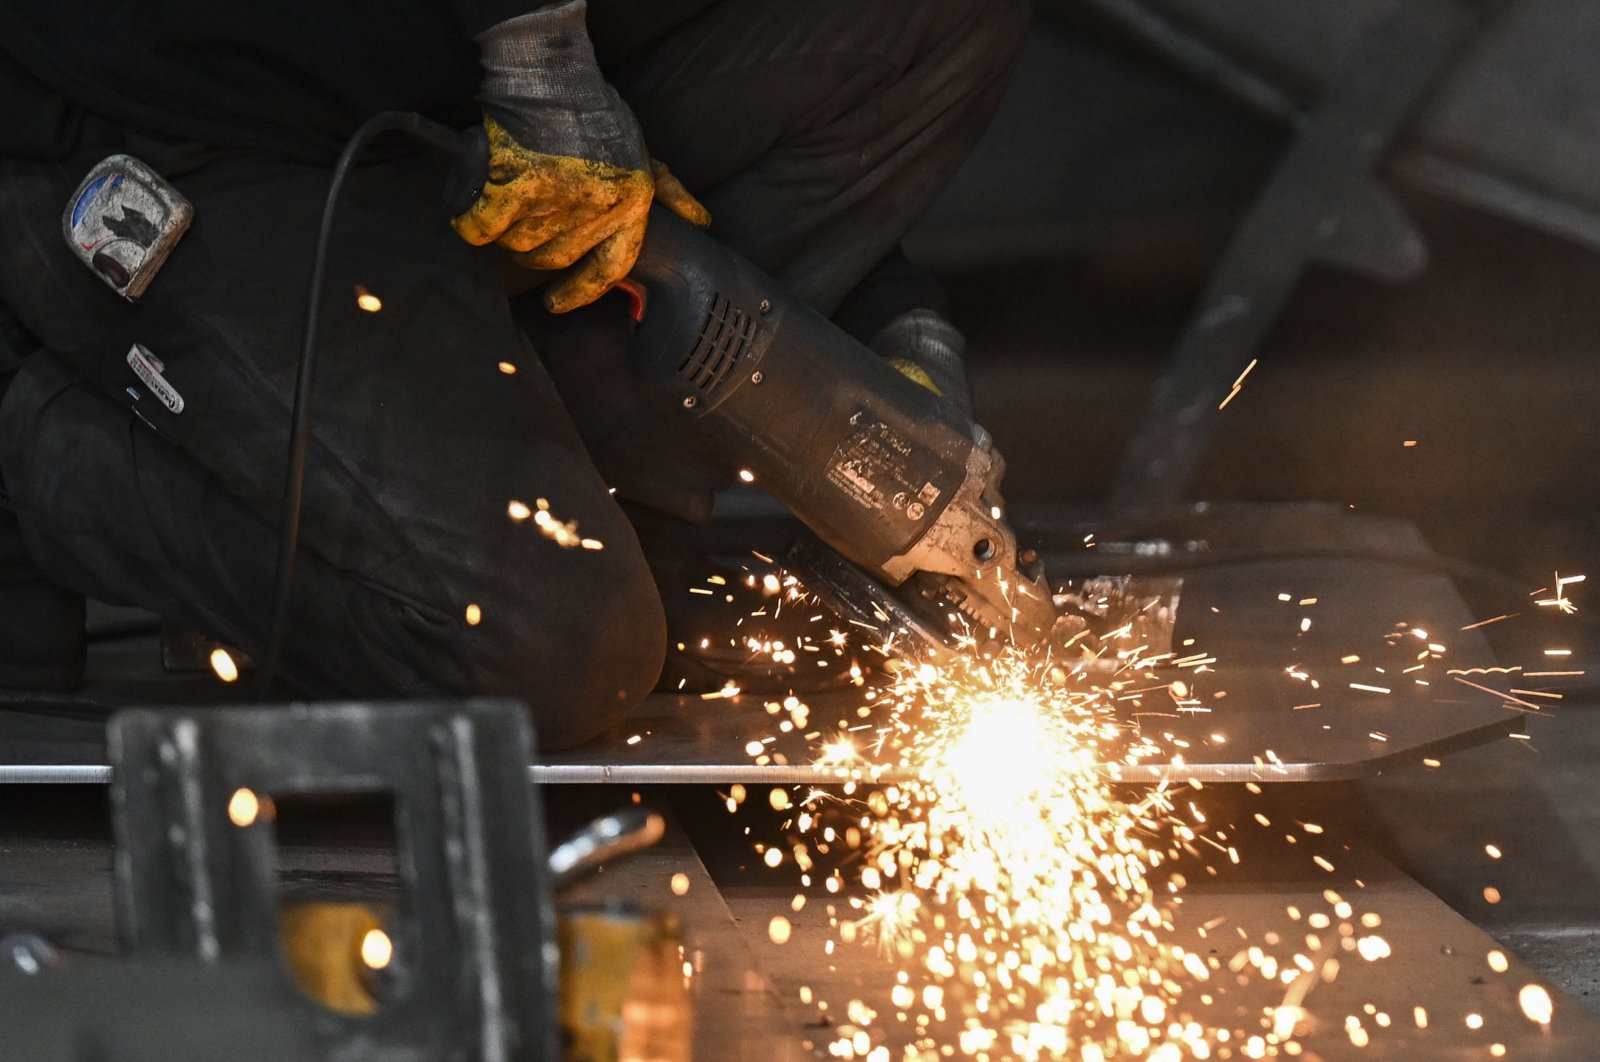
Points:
x=149 y=369
x=873 y=465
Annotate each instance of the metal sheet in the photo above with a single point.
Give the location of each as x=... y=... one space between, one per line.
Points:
x=1249 y=616
x=687 y=740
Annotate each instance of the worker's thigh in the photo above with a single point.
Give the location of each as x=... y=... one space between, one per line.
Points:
x=817 y=133
x=430 y=418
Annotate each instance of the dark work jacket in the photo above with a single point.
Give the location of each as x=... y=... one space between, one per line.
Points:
x=294 y=77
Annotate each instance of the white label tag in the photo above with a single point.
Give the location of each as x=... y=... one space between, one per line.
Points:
x=148 y=368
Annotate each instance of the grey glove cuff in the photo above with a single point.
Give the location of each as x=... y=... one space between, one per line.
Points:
x=541 y=81
x=935 y=346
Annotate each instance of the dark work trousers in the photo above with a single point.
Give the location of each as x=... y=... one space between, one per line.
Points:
x=816 y=134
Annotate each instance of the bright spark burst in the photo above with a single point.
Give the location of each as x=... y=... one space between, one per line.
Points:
x=889 y=918
x=1028 y=889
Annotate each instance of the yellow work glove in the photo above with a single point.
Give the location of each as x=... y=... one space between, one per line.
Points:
x=557 y=210
x=570 y=182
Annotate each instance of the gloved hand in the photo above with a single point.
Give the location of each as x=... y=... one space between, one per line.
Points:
x=569 y=178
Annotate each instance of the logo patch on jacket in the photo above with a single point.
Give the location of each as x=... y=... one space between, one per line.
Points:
x=148 y=368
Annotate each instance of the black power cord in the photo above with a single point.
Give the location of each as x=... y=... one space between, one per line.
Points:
x=470 y=150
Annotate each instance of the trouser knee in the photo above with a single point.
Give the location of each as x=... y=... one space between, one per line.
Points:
x=579 y=661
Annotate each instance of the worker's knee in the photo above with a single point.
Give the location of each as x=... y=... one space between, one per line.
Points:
x=579 y=653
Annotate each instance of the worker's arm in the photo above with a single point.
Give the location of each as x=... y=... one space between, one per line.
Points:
x=570 y=182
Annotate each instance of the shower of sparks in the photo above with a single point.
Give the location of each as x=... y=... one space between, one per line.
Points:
x=1042 y=886
x=1029 y=896
x=1031 y=905
x=1559 y=599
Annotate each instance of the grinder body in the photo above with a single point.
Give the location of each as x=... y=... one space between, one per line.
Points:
x=886 y=472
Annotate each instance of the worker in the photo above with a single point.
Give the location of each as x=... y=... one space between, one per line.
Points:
x=142 y=445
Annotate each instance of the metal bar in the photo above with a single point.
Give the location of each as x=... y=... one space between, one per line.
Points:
x=1367 y=575
x=1196 y=55
x=55 y=774
x=812 y=774
x=1503 y=195
x=1461 y=180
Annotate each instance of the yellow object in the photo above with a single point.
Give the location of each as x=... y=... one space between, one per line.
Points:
x=556 y=211
x=330 y=947
x=624 y=996
x=916 y=374
x=675 y=197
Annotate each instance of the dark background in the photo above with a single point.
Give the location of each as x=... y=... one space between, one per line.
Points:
x=1080 y=233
